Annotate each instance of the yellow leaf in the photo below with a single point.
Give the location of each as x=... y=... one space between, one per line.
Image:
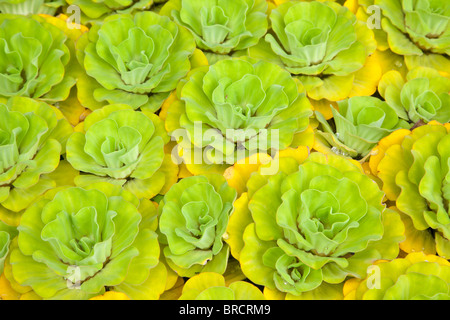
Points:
x=111 y=295
x=366 y=79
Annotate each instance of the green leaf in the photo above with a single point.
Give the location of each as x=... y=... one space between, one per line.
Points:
x=194 y=216
x=146 y=60
x=87 y=238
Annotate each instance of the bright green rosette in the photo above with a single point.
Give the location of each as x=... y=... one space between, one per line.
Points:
x=33 y=137
x=304 y=230
x=414 y=171
x=323 y=44
x=358 y=124
x=124 y=147
x=80 y=242
x=222 y=28
x=418 y=30
x=212 y=286
x=193 y=218
x=420 y=98
x=35 y=59
x=133 y=59
x=26 y=7
x=415 y=277
x=235 y=108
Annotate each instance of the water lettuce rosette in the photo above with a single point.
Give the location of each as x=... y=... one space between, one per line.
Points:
x=221 y=28
x=414 y=169
x=213 y=286
x=81 y=241
x=234 y=108
x=323 y=45
x=133 y=59
x=418 y=30
x=419 y=98
x=193 y=218
x=33 y=137
x=415 y=277
x=304 y=230
x=26 y=7
x=35 y=59
x=358 y=124
x=124 y=147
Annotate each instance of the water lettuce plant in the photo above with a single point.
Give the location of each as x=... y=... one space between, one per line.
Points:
x=78 y=242
x=418 y=30
x=415 y=277
x=302 y=231
x=193 y=218
x=124 y=147
x=420 y=98
x=33 y=136
x=323 y=44
x=358 y=124
x=234 y=108
x=414 y=169
x=133 y=59
x=35 y=60
x=221 y=28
